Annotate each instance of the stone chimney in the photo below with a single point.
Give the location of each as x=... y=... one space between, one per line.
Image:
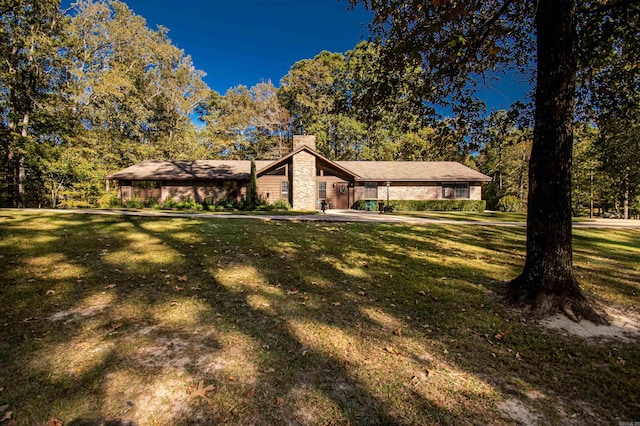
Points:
x=301 y=140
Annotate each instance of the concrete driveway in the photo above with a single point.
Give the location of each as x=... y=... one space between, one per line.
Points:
x=334 y=216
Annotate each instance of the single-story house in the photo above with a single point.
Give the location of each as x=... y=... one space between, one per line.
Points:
x=304 y=177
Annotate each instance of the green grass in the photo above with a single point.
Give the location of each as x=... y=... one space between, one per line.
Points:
x=120 y=318
x=487 y=216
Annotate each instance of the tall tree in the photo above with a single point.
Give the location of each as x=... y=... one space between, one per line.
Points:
x=458 y=41
x=609 y=80
x=313 y=94
x=506 y=149
x=30 y=74
x=247 y=123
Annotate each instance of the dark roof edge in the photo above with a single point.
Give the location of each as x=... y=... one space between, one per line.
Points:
x=276 y=163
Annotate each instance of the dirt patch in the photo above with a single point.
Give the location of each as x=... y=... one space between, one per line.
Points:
x=625 y=326
x=513 y=409
x=90 y=307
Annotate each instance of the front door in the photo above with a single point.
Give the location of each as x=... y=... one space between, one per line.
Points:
x=342 y=195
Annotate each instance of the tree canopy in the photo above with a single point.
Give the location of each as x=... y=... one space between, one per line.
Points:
x=87 y=92
x=459 y=42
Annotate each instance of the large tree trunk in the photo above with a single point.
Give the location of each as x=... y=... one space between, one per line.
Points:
x=547 y=281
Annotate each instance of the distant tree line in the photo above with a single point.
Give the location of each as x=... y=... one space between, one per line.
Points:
x=90 y=90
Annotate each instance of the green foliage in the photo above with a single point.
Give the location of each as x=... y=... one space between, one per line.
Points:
x=88 y=94
x=280 y=205
x=109 y=199
x=253 y=186
x=491 y=194
x=246 y=123
x=510 y=203
x=134 y=203
x=360 y=110
x=424 y=205
x=505 y=154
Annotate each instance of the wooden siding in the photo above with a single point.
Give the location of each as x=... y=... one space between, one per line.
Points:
x=336 y=199
x=270 y=187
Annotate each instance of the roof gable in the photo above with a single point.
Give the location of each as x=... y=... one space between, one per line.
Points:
x=282 y=161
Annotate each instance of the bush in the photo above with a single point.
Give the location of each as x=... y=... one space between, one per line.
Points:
x=74 y=204
x=225 y=203
x=425 y=205
x=108 y=200
x=169 y=204
x=134 y=203
x=280 y=205
x=510 y=203
x=491 y=194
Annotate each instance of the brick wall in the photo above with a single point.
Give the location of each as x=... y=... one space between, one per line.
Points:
x=303 y=181
x=475 y=191
x=300 y=140
x=416 y=191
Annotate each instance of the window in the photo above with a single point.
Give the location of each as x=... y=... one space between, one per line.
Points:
x=455 y=191
x=146 y=184
x=284 y=189
x=370 y=191
x=322 y=190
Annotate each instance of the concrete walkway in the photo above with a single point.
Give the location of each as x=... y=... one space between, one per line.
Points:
x=334 y=216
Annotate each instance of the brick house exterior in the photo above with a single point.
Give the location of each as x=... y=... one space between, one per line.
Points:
x=303 y=177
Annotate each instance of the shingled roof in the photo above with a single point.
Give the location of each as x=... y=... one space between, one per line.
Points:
x=403 y=171
x=188 y=170
x=413 y=171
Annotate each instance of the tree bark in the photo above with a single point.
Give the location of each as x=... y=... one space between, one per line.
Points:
x=547 y=282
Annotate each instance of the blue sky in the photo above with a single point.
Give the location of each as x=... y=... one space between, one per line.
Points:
x=246 y=41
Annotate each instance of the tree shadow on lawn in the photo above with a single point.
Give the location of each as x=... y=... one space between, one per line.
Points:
x=289 y=323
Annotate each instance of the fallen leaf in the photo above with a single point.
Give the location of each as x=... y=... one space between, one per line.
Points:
x=182 y=278
x=201 y=390
x=110 y=286
x=336 y=303
x=115 y=326
x=390 y=350
x=51 y=292
x=292 y=292
x=6 y=416
x=251 y=393
x=12 y=422
x=501 y=335
x=179 y=288
x=279 y=401
x=518 y=356
x=398 y=332
x=3 y=408
x=54 y=422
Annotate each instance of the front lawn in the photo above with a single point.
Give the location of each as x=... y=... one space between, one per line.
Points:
x=240 y=321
